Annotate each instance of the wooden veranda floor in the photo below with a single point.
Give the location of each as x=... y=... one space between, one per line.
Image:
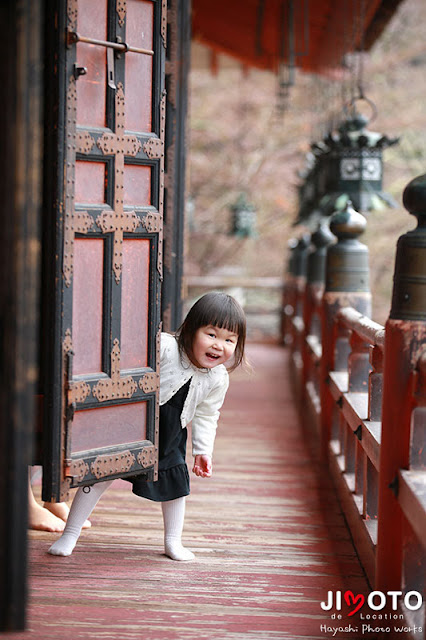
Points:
x=269 y=537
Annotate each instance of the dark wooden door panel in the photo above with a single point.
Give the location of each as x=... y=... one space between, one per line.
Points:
x=104 y=419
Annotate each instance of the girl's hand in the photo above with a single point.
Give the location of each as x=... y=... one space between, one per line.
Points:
x=202 y=466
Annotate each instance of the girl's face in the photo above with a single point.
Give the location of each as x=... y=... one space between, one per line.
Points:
x=213 y=346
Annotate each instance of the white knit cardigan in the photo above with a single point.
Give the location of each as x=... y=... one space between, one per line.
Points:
x=205 y=397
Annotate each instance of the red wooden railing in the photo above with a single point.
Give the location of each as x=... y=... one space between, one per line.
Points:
x=362 y=387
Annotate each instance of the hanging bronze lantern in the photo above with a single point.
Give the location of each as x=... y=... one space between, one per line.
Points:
x=348 y=166
x=243 y=218
x=355 y=167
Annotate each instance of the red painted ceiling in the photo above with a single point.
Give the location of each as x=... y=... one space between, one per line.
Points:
x=257 y=33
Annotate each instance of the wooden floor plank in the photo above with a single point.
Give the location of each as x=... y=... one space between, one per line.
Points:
x=269 y=537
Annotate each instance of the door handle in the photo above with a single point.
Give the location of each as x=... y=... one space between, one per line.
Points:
x=121 y=47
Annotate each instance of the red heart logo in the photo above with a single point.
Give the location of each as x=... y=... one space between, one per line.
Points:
x=352 y=600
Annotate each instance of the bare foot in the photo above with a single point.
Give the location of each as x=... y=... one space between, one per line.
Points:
x=41 y=519
x=61 y=510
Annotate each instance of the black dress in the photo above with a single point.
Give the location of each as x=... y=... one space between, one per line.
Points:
x=173 y=476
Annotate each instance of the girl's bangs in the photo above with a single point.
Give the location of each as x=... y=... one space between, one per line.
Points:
x=224 y=316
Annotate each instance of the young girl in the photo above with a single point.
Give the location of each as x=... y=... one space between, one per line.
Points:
x=193 y=385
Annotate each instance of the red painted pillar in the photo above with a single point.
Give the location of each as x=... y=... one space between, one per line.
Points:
x=404 y=340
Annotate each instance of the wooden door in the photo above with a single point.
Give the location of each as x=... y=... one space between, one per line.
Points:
x=101 y=372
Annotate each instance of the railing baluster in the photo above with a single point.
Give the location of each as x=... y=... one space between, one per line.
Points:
x=358 y=364
x=375 y=383
x=361 y=476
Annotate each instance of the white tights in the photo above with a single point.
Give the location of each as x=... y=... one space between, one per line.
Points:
x=85 y=501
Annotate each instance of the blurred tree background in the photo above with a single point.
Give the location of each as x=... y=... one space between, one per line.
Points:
x=239 y=143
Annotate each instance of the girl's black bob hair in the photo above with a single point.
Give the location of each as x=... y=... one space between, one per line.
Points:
x=218 y=310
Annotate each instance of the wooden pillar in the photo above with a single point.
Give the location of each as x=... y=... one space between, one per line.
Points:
x=346 y=285
x=405 y=339
x=177 y=69
x=20 y=171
